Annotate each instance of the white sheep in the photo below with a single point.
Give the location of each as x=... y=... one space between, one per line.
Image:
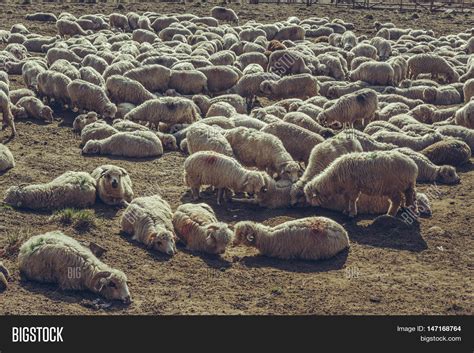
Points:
x=6 y=159
x=71 y=189
x=197 y=227
x=53 y=85
x=202 y=137
x=114 y=186
x=97 y=130
x=224 y=14
x=83 y=120
x=122 y=89
x=150 y=221
x=220 y=77
x=87 y=96
x=34 y=108
x=301 y=86
x=188 y=81
x=459 y=132
x=155 y=78
x=401 y=139
x=432 y=64
x=204 y=102
x=30 y=71
x=311 y=238
x=6 y=110
x=381 y=173
x=50 y=257
x=464 y=116
x=69 y=28
x=375 y=73
x=305 y=121
x=220 y=171
x=91 y=75
x=18 y=94
x=136 y=144
x=468 y=90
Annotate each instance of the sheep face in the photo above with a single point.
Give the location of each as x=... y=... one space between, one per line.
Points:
x=111 y=181
x=163 y=241
x=313 y=195
x=169 y=143
x=47 y=114
x=219 y=235
x=447 y=175
x=244 y=234
x=290 y=171
x=91 y=147
x=13 y=196
x=429 y=94
x=112 y=285
x=110 y=111
x=254 y=183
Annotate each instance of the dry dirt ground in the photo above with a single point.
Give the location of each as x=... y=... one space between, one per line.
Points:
x=425 y=269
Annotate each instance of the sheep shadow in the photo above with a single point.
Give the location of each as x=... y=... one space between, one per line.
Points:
x=214 y=261
x=298 y=266
x=121 y=158
x=106 y=211
x=153 y=254
x=465 y=168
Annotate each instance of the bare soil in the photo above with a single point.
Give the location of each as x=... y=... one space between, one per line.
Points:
x=425 y=269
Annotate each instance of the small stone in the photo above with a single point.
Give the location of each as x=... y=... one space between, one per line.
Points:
x=375 y=299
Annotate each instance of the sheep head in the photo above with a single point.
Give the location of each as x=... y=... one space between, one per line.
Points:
x=111 y=285
x=254 y=182
x=163 y=240
x=91 y=147
x=111 y=180
x=313 y=194
x=245 y=233
x=109 y=111
x=290 y=171
x=266 y=87
x=47 y=114
x=218 y=236
x=447 y=175
x=429 y=94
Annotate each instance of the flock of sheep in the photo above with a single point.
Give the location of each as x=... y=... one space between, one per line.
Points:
x=352 y=124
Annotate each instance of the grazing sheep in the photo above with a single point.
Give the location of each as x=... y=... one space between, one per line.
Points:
x=83 y=120
x=89 y=97
x=305 y=121
x=69 y=28
x=150 y=221
x=91 y=75
x=188 y=81
x=155 y=78
x=55 y=54
x=114 y=186
x=220 y=171
x=311 y=238
x=30 y=71
x=34 y=108
x=53 y=85
x=71 y=189
x=136 y=144
x=49 y=258
x=432 y=64
x=401 y=139
x=5 y=109
x=122 y=89
x=168 y=110
x=197 y=227
x=451 y=152
x=381 y=173
x=221 y=109
x=254 y=148
x=220 y=77
x=65 y=67
x=400 y=68
x=297 y=141
x=202 y=137
x=429 y=114
x=204 y=102
x=465 y=116
x=301 y=86
x=374 y=73
x=225 y=14
x=468 y=90
x=360 y=105
x=119 y=21
x=96 y=62
x=6 y=159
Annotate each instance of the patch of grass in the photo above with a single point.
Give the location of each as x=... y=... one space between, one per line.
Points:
x=14 y=240
x=277 y=291
x=4 y=206
x=79 y=219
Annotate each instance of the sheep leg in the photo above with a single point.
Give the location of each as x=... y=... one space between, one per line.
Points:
x=410 y=198
x=395 y=202
x=195 y=193
x=220 y=191
x=352 y=206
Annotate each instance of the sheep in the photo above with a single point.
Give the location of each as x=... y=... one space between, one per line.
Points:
x=380 y=125
x=120 y=67
x=66 y=27
x=394 y=98
x=96 y=62
x=53 y=85
x=221 y=109
x=364 y=49
x=374 y=73
x=459 y=132
x=155 y=78
x=119 y=21
x=383 y=46
x=30 y=71
x=390 y=110
x=197 y=227
x=114 y=186
x=71 y=189
x=297 y=141
x=416 y=92
x=301 y=86
x=310 y=238
x=286 y=62
x=381 y=173
x=225 y=14
x=400 y=68
x=429 y=114
x=55 y=54
x=201 y=137
x=432 y=64
x=34 y=108
x=220 y=171
x=83 y=120
x=305 y=121
x=428 y=171
x=150 y=221
x=337 y=91
x=402 y=120
x=204 y=102
x=123 y=109
x=168 y=110
x=360 y=105
x=6 y=159
x=122 y=89
x=97 y=130
x=88 y=96
x=333 y=66
x=464 y=116
x=446 y=95
x=468 y=90
x=450 y=151
x=65 y=67
x=401 y=139
x=49 y=257
x=188 y=81
x=249 y=85
x=8 y=118
x=219 y=78
x=254 y=148
x=41 y=17
x=90 y=75
x=137 y=144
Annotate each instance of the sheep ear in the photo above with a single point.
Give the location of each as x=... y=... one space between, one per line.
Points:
x=124 y=172
x=103 y=172
x=250 y=238
x=99 y=280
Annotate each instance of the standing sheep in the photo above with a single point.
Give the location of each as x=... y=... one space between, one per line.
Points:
x=311 y=238
x=87 y=96
x=121 y=89
x=432 y=64
x=375 y=73
x=201 y=137
x=149 y=219
x=465 y=116
x=49 y=258
x=224 y=14
x=198 y=228
x=114 y=186
x=302 y=86
x=53 y=85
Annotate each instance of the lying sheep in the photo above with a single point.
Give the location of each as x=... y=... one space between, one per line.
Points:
x=201 y=137
x=254 y=148
x=34 y=108
x=395 y=98
x=168 y=110
x=197 y=227
x=432 y=64
x=401 y=139
x=97 y=130
x=360 y=105
x=382 y=173
x=459 y=132
x=297 y=141
x=311 y=238
x=83 y=120
x=220 y=171
x=71 y=189
x=204 y=102
x=450 y=151
x=374 y=73
x=380 y=125
x=114 y=186
x=301 y=86
x=390 y=110
x=429 y=114
x=49 y=258
x=149 y=219
x=137 y=144
x=87 y=96
x=121 y=89
x=6 y=110
x=465 y=116
x=6 y=159
x=446 y=95
x=18 y=94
